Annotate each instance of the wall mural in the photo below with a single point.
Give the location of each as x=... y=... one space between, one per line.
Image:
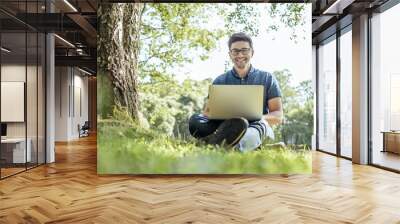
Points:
x=156 y=65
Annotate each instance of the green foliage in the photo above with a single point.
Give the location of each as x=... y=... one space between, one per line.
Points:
x=289 y=93
x=191 y=100
x=305 y=91
x=298 y=111
x=245 y=17
x=289 y=14
x=168 y=105
x=242 y=17
x=174 y=34
x=126 y=148
x=298 y=127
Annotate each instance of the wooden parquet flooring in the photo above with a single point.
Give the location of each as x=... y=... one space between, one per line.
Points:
x=70 y=191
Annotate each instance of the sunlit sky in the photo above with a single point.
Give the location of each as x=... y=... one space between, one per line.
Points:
x=273 y=51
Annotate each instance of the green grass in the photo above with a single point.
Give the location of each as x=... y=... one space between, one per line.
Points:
x=124 y=148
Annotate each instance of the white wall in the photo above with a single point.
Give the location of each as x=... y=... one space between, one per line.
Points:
x=71 y=94
x=61 y=103
x=81 y=84
x=13 y=100
x=17 y=73
x=12 y=73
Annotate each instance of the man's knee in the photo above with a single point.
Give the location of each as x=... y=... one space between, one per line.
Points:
x=200 y=126
x=264 y=129
x=194 y=121
x=250 y=140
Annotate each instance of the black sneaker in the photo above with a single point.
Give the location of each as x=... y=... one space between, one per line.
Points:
x=228 y=132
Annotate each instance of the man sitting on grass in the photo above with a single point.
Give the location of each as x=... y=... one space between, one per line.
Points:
x=238 y=132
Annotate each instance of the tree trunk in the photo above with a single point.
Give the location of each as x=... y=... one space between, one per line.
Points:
x=118 y=49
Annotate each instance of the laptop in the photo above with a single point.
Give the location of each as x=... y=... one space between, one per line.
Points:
x=230 y=101
x=3 y=131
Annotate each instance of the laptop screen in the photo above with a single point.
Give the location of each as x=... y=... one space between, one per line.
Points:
x=3 y=129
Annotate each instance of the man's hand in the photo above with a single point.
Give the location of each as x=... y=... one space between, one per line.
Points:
x=275 y=115
x=206 y=109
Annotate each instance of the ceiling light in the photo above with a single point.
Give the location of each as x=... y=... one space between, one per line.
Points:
x=338 y=6
x=5 y=50
x=70 y=5
x=84 y=71
x=79 y=51
x=64 y=40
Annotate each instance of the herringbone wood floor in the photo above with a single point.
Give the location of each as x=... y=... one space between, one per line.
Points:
x=70 y=191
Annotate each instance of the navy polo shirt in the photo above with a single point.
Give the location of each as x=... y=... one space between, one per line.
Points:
x=253 y=77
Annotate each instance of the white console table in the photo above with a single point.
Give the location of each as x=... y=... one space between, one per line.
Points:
x=18 y=149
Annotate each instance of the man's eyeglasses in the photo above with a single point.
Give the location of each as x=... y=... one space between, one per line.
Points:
x=245 y=51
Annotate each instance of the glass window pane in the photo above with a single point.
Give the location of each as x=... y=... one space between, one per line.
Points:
x=41 y=98
x=31 y=96
x=346 y=94
x=386 y=89
x=327 y=97
x=22 y=63
x=13 y=86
